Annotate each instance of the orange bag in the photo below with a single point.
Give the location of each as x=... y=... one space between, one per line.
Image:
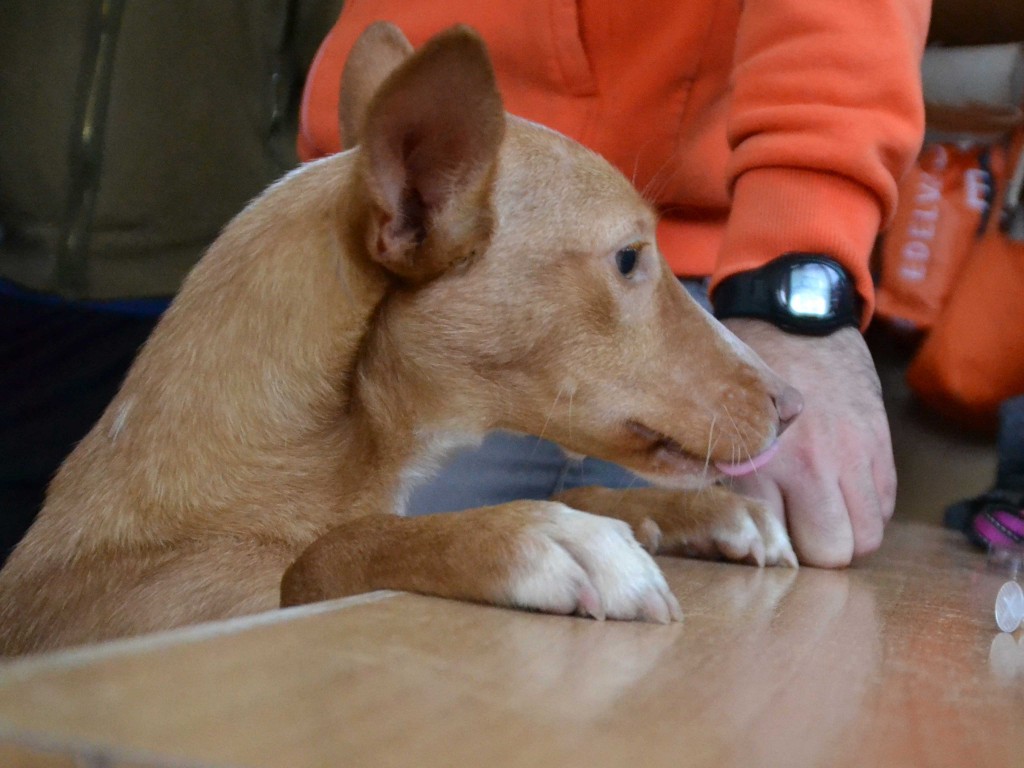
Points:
x=973 y=359
x=943 y=204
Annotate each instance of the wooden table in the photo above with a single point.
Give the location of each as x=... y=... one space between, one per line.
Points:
x=896 y=662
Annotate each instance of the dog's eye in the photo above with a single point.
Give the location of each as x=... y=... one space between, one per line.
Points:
x=626 y=259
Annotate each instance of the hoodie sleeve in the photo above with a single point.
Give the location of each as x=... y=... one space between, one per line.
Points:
x=826 y=115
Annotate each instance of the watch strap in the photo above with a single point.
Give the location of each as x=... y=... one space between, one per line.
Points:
x=763 y=294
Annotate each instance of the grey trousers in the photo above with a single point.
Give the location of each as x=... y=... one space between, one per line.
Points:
x=507 y=467
x=1010 y=474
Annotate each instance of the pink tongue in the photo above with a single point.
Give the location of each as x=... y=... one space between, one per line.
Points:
x=746 y=467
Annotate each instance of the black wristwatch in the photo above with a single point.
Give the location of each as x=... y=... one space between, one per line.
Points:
x=804 y=293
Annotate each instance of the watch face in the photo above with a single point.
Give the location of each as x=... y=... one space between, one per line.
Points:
x=808 y=289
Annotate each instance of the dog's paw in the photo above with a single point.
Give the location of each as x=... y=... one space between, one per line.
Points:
x=740 y=529
x=575 y=562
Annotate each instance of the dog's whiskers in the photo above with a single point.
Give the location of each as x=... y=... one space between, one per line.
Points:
x=711 y=447
x=660 y=179
x=741 y=440
x=572 y=394
x=551 y=412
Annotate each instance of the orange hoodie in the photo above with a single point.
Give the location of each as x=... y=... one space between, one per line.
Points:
x=757 y=126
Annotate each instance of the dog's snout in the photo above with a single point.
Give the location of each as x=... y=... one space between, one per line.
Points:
x=789 y=403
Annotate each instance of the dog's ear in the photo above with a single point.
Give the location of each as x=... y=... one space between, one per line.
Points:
x=378 y=52
x=430 y=147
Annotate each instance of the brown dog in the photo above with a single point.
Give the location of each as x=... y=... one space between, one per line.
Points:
x=459 y=271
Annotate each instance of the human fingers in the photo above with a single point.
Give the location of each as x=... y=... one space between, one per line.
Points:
x=883 y=468
x=818 y=519
x=808 y=499
x=864 y=507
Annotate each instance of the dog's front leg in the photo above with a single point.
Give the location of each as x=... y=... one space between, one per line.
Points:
x=710 y=522
x=526 y=554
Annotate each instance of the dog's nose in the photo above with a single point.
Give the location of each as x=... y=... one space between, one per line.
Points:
x=789 y=403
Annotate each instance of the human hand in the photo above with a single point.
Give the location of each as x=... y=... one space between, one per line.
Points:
x=833 y=481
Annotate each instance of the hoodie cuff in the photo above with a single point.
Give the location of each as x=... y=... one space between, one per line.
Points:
x=782 y=210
